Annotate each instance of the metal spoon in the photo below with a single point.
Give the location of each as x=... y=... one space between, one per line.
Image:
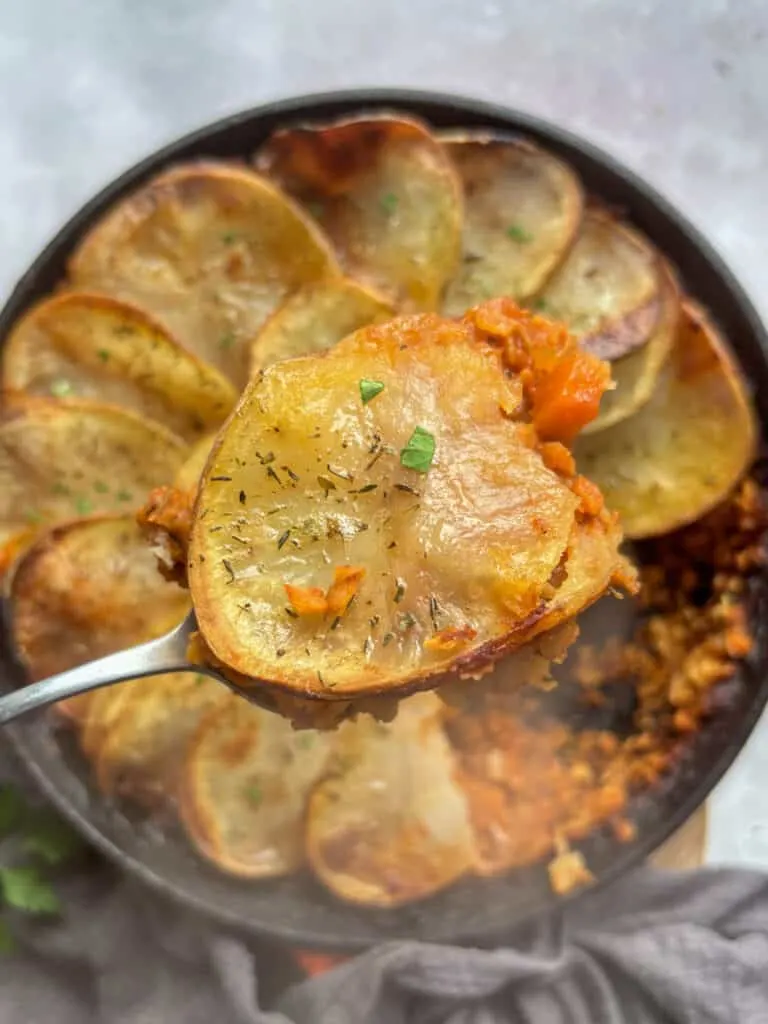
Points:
x=166 y=654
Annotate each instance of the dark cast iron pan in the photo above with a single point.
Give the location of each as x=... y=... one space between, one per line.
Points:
x=298 y=909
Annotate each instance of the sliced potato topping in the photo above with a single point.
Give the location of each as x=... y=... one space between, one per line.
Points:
x=689 y=444
x=389 y=824
x=340 y=526
x=60 y=461
x=246 y=782
x=86 y=589
x=522 y=208
x=77 y=345
x=387 y=195
x=210 y=249
x=188 y=476
x=607 y=289
x=315 y=318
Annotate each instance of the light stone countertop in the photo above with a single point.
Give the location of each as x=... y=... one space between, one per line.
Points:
x=678 y=91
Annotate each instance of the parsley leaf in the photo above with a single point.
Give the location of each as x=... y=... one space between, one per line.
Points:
x=27 y=890
x=124 y=496
x=389 y=203
x=83 y=506
x=51 y=839
x=103 y=355
x=227 y=341
x=518 y=233
x=61 y=388
x=253 y=795
x=419 y=452
x=369 y=389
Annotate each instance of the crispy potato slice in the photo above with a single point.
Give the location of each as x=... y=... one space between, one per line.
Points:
x=315 y=319
x=209 y=248
x=607 y=289
x=142 y=751
x=319 y=563
x=522 y=209
x=86 y=589
x=63 y=460
x=687 y=447
x=79 y=345
x=389 y=824
x=385 y=192
x=188 y=477
x=246 y=781
x=635 y=375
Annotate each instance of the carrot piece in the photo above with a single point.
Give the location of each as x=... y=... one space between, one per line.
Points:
x=567 y=398
x=306 y=600
x=346 y=582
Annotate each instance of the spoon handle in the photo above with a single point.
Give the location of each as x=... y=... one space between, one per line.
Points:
x=166 y=654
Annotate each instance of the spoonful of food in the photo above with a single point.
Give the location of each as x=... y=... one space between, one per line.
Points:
x=371 y=521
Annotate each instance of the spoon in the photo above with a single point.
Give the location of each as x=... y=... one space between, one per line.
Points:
x=165 y=654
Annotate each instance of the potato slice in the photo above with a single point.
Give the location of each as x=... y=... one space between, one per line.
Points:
x=308 y=501
x=522 y=209
x=188 y=477
x=389 y=824
x=209 y=248
x=86 y=589
x=315 y=319
x=687 y=447
x=142 y=751
x=385 y=192
x=63 y=460
x=635 y=375
x=78 y=345
x=607 y=289
x=246 y=781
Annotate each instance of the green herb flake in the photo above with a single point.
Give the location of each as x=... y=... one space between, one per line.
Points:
x=253 y=795
x=11 y=809
x=227 y=341
x=33 y=518
x=283 y=538
x=419 y=452
x=369 y=389
x=61 y=388
x=229 y=237
x=60 y=488
x=389 y=202
x=25 y=889
x=124 y=496
x=541 y=305
x=366 y=489
x=83 y=506
x=305 y=741
x=100 y=487
x=51 y=840
x=519 y=234
x=103 y=355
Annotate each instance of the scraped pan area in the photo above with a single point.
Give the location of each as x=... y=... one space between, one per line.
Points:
x=297 y=909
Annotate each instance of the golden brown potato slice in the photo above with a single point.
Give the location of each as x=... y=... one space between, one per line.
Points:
x=687 y=447
x=635 y=375
x=86 y=589
x=389 y=824
x=315 y=319
x=211 y=249
x=324 y=487
x=142 y=751
x=522 y=209
x=188 y=477
x=385 y=192
x=607 y=289
x=77 y=345
x=246 y=782
x=60 y=461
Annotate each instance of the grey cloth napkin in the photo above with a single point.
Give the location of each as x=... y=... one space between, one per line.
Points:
x=655 y=947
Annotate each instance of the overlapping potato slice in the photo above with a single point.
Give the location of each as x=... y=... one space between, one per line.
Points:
x=687 y=447
x=607 y=289
x=522 y=209
x=85 y=589
x=141 y=751
x=61 y=460
x=80 y=345
x=246 y=781
x=387 y=195
x=211 y=249
x=389 y=824
x=315 y=319
x=307 y=504
x=188 y=477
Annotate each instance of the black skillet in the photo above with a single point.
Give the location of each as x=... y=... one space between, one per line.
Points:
x=297 y=909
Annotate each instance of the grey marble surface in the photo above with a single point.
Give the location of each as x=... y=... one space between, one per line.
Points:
x=678 y=91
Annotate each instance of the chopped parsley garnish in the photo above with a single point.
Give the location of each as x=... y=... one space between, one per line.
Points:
x=33 y=518
x=389 y=203
x=541 y=305
x=369 y=389
x=253 y=795
x=61 y=388
x=227 y=340
x=283 y=538
x=26 y=889
x=100 y=487
x=103 y=355
x=59 y=488
x=124 y=496
x=366 y=489
x=419 y=452
x=83 y=506
x=518 y=234
x=229 y=237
